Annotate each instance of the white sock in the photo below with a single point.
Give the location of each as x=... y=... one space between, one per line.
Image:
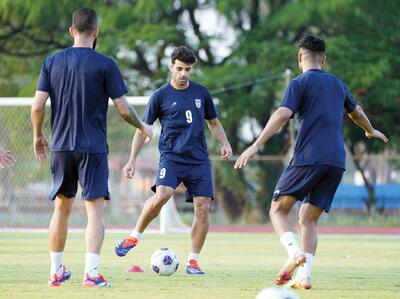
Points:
x=136 y=235
x=304 y=270
x=193 y=256
x=56 y=263
x=288 y=240
x=92 y=264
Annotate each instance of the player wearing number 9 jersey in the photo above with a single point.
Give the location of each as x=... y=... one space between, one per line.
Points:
x=181 y=114
x=181 y=106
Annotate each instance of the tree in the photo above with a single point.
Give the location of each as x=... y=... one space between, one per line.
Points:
x=362 y=42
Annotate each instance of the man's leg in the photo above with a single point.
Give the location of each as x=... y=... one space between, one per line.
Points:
x=201 y=222
x=151 y=209
x=308 y=218
x=94 y=242
x=95 y=224
x=279 y=215
x=94 y=234
x=58 y=230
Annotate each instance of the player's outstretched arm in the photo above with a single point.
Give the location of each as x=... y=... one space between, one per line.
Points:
x=276 y=121
x=129 y=114
x=40 y=143
x=358 y=116
x=6 y=159
x=137 y=143
x=219 y=133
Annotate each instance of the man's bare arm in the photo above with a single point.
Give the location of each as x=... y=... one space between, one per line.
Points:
x=40 y=143
x=127 y=112
x=358 y=117
x=137 y=143
x=277 y=120
x=218 y=132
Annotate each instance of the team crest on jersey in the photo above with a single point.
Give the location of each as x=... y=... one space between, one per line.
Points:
x=198 y=103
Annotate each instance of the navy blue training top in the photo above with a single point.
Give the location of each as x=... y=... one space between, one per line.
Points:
x=318 y=99
x=80 y=81
x=181 y=114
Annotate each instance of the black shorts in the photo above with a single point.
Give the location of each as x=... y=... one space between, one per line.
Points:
x=91 y=170
x=314 y=184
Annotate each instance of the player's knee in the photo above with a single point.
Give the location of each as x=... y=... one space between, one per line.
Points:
x=159 y=200
x=64 y=209
x=305 y=221
x=202 y=208
x=163 y=194
x=277 y=209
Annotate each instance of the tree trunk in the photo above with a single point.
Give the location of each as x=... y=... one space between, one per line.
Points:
x=371 y=200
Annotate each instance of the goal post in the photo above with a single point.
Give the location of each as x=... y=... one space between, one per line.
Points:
x=24 y=189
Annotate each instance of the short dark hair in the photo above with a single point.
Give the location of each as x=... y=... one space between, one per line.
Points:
x=312 y=43
x=84 y=20
x=183 y=54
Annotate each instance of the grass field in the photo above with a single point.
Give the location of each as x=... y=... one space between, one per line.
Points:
x=237 y=266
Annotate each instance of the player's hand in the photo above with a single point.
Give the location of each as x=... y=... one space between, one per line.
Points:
x=378 y=135
x=245 y=157
x=40 y=146
x=129 y=169
x=6 y=159
x=226 y=151
x=147 y=132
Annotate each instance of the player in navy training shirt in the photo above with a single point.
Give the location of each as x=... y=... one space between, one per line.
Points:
x=318 y=99
x=181 y=107
x=79 y=81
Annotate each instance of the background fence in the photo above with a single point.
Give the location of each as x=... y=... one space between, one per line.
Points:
x=241 y=196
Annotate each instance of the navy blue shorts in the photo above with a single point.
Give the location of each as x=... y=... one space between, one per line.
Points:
x=197 y=178
x=91 y=170
x=314 y=184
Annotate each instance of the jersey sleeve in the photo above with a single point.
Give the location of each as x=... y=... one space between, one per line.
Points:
x=44 y=79
x=293 y=96
x=349 y=101
x=209 y=108
x=115 y=84
x=152 y=110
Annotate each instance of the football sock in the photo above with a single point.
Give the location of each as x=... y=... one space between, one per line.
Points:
x=136 y=235
x=288 y=240
x=193 y=256
x=56 y=263
x=92 y=264
x=304 y=270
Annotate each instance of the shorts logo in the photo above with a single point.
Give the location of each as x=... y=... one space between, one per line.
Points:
x=162 y=173
x=276 y=192
x=198 y=103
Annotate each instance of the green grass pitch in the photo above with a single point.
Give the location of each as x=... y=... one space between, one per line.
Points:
x=237 y=266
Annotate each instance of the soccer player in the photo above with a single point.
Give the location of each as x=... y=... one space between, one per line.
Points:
x=181 y=107
x=6 y=159
x=319 y=100
x=79 y=81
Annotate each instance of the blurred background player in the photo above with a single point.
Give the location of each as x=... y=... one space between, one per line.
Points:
x=319 y=99
x=6 y=159
x=181 y=106
x=79 y=81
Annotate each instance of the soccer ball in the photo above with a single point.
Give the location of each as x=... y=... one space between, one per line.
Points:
x=276 y=293
x=164 y=262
